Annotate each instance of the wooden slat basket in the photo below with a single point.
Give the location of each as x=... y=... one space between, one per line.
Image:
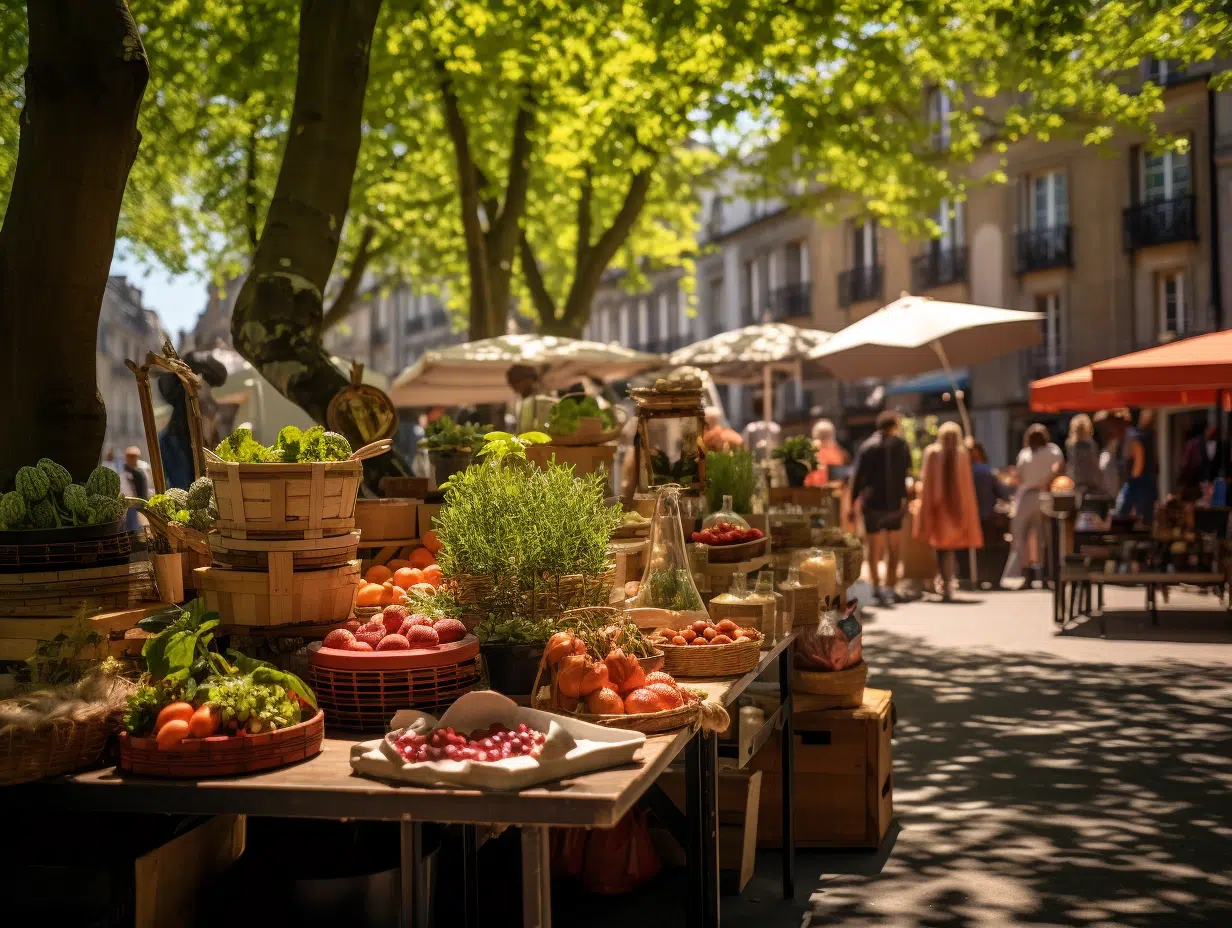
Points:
x=64 y=592
x=279 y=595
x=285 y=500
x=306 y=553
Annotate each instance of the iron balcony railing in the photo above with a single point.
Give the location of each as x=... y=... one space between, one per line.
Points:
x=860 y=284
x=937 y=267
x=790 y=301
x=1159 y=222
x=1041 y=249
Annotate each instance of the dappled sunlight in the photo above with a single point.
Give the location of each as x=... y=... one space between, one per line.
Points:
x=1035 y=791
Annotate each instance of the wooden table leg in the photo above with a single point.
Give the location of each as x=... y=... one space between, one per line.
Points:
x=414 y=912
x=470 y=876
x=701 y=807
x=788 y=785
x=536 y=878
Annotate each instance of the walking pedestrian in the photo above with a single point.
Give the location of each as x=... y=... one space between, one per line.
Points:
x=1140 y=491
x=134 y=483
x=1081 y=455
x=1113 y=423
x=829 y=454
x=949 y=514
x=1038 y=462
x=988 y=491
x=879 y=494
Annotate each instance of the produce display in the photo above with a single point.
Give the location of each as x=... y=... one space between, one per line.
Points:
x=566 y=416
x=293 y=446
x=389 y=584
x=706 y=632
x=193 y=507
x=445 y=434
x=395 y=629
x=46 y=497
x=483 y=745
x=190 y=690
x=681 y=380
x=727 y=533
x=613 y=685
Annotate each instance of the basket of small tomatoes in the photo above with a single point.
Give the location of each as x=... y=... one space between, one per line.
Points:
x=730 y=544
x=709 y=649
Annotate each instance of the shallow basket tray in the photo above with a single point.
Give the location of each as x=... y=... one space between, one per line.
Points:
x=734 y=554
x=223 y=755
x=306 y=553
x=361 y=691
x=711 y=660
x=65 y=550
x=62 y=746
x=844 y=687
x=648 y=723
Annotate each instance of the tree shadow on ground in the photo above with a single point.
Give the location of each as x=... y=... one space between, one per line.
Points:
x=1036 y=792
x=1210 y=626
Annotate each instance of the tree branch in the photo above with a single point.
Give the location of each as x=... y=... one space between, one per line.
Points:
x=583 y=218
x=250 y=189
x=340 y=308
x=539 y=294
x=503 y=233
x=468 y=192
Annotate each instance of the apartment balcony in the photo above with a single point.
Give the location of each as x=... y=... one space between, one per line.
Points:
x=860 y=284
x=1041 y=249
x=791 y=301
x=414 y=325
x=938 y=267
x=1161 y=222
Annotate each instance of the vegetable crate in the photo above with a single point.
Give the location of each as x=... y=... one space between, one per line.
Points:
x=386 y=521
x=63 y=593
x=362 y=691
x=115 y=548
x=279 y=595
x=585 y=459
x=739 y=801
x=844 y=775
x=285 y=500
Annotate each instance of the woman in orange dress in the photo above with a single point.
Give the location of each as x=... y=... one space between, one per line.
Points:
x=949 y=515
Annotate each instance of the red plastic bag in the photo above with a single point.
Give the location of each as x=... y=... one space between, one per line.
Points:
x=568 y=851
x=620 y=859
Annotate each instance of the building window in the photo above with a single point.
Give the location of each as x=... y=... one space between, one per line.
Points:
x=715 y=223
x=864 y=244
x=939 y=117
x=1165 y=176
x=665 y=316
x=951 y=218
x=1049 y=306
x=1173 y=319
x=1049 y=205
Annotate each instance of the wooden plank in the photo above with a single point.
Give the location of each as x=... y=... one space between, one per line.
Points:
x=536 y=878
x=173 y=879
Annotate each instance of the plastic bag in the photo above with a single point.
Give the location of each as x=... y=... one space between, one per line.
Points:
x=829 y=645
x=620 y=859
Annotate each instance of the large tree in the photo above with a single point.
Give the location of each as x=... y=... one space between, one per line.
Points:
x=85 y=76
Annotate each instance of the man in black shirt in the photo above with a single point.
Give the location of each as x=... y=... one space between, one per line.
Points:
x=879 y=492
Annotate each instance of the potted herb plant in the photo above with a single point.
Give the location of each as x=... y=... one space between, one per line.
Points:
x=799 y=456
x=511 y=648
x=451 y=445
x=729 y=473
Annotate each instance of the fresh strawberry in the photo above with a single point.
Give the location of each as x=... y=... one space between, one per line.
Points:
x=339 y=638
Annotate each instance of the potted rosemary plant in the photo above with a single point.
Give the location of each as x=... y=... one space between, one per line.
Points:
x=799 y=456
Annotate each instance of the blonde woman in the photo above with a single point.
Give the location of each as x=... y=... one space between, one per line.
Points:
x=949 y=514
x=1082 y=455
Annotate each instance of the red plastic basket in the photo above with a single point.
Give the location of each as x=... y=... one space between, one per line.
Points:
x=223 y=755
x=361 y=691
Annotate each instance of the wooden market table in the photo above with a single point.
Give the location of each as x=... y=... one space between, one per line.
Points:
x=325 y=787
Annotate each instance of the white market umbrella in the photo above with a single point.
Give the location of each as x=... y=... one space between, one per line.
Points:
x=916 y=334
x=753 y=354
x=474 y=372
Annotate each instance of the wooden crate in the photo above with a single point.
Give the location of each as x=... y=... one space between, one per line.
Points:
x=427 y=512
x=844 y=775
x=65 y=592
x=585 y=459
x=630 y=558
x=174 y=878
x=285 y=500
x=381 y=521
x=739 y=802
x=279 y=595
x=20 y=636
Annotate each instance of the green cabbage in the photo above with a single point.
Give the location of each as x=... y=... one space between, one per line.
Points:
x=33 y=484
x=103 y=481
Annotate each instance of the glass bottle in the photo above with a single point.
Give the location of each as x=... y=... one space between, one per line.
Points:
x=764 y=595
x=820 y=569
x=801 y=604
x=737 y=592
x=667 y=582
x=725 y=514
x=760 y=500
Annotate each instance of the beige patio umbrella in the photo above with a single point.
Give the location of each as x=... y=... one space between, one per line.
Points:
x=754 y=354
x=915 y=334
x=474 y=372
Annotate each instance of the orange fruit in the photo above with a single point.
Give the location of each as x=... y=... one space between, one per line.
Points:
x=432 y=574
x=378 y=573
x=172 y=711
x=430 y=541
x=391 y=595
x=397 y=563
x=369 y=594
x=204 y=722
x=172 y=734
x=407 y=577
x=422 y=557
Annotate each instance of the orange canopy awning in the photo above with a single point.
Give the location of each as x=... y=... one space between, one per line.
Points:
x=1203 y=362
x=1074 y=391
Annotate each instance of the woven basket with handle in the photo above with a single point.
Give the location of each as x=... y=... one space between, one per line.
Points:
x=843 y=689
x=711 y=660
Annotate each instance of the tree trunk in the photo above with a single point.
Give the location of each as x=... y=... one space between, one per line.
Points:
x=277 y=323
x=86 y=75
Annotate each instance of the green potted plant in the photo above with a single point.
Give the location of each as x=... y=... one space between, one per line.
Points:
x=511 y=648
x=799 y=456
x=451 y=445
x=729 y=473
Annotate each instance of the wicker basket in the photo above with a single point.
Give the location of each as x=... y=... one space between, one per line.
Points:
x=841 y=689
x=114 y=547
x=649 y=723
x=59 y=747
x=362 y=691
x=711 y=660
x=63 y=593
x=285 y=500
x=222 y=755
x=572 y=592
x=735 y=554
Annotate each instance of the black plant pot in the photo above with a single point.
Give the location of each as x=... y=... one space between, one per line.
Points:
x=448 y=461
x=511 y=668
x=796 y=472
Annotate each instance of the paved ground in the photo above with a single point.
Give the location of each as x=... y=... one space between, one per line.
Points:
x=1041 y=780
